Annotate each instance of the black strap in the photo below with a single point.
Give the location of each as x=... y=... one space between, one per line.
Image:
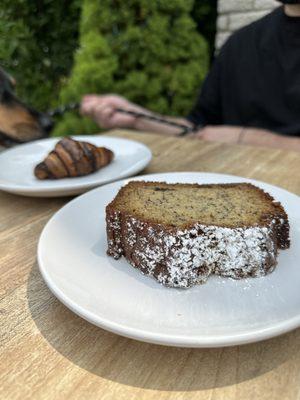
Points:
x=184 y=128
x=62 y=109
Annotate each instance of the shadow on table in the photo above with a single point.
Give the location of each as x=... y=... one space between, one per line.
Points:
x=145 y=365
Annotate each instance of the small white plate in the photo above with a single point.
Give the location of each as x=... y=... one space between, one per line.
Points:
x=115 y=296
x=17 y=165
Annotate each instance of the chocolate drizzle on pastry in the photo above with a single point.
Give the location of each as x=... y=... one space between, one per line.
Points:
x=72 y=158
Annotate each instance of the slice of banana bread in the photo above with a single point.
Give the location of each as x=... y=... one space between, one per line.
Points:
x=182 y=233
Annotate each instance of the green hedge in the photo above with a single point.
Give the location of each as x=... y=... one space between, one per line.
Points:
x=37 y=41
x=148 y=51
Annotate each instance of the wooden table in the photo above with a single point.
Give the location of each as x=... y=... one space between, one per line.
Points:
x=47 y=352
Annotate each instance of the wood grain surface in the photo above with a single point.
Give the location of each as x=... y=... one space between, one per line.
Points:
x=47 y=352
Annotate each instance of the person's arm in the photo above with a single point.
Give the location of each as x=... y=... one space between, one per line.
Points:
x=248 y=136
x=258 y=137
x=103 y=109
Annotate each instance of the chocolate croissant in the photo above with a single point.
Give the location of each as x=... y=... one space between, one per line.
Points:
x=72 y=158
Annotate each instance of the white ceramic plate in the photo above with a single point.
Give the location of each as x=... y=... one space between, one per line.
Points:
x=117 y=297
x=17 y=165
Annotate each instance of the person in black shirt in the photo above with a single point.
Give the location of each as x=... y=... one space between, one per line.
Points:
x=250 y=96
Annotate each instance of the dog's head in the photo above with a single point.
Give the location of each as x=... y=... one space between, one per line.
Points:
x=19 y=123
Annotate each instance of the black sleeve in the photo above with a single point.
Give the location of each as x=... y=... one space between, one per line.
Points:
x=207 y=109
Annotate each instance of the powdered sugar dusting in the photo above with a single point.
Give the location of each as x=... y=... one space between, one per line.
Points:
x=182 y=258
x=114 y=235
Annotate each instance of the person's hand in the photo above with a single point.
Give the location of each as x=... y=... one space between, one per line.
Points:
x=227 y=134
x=102 y=109
x=247 y=136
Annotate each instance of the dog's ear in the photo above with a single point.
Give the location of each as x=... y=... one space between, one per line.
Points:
x=18 y=121
x=7 y=84
x=2 y=88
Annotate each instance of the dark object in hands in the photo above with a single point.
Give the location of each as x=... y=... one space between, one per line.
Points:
x=185 y=129
x=72 y=158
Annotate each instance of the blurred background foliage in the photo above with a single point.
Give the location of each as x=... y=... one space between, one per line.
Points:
x=37 y=41
x=153 y=52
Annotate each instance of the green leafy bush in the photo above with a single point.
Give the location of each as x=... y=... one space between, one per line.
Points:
x=37 y=41
x=148 y=51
